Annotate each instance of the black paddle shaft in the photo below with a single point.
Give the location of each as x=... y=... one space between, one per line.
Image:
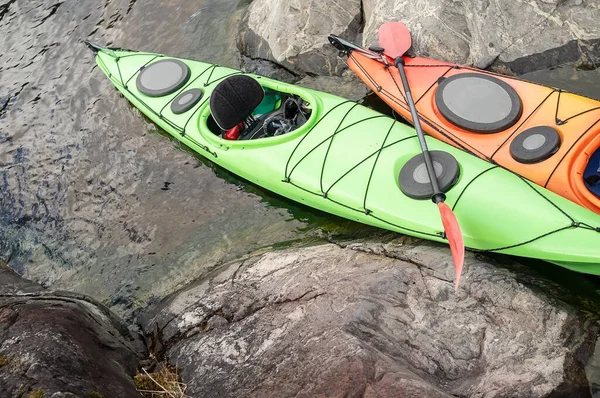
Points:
x=438 y=195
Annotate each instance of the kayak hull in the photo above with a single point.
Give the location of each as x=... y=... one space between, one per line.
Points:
x=346 y=158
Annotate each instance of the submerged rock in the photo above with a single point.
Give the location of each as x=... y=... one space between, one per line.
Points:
x=372 y=320
x=58 y=344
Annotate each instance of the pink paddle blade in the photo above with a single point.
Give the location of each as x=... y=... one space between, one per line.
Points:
x=455 y=239
x=395 y=39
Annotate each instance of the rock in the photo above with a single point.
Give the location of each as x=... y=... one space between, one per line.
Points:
x=372 y=320
x=347 y=86
x=60 y=344
x=294 y=33
x=525 y=36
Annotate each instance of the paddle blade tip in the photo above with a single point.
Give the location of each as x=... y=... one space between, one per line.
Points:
x=455 y=240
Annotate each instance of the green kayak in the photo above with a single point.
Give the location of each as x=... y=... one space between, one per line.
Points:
x=349 y=160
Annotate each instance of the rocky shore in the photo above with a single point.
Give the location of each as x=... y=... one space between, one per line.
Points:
x=61 y=344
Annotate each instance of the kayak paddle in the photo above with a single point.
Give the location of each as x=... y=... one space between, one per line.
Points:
x=395 y=40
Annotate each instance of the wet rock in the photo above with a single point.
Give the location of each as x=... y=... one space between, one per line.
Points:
x=523 y=35
x=372 y=320
x=294 y=33
x=62 y=344
x=347 y=86
x=267 y=68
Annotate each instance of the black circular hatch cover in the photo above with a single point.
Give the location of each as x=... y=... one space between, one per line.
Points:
x=414 y=179
x=535 y=144
x=186 y=100
x=477 y=102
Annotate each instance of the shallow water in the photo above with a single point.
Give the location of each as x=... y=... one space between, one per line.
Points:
x=94 y=198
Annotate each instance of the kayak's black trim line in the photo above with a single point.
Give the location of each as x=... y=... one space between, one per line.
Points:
x=556 y=119
x=210 y=75
x=337 y=129
x=367 y=211
x=120 y=75
x=285 y=173
x=530 y=184
x=524 y=243
x=569 y=150
x=437 y=235
x=559 y=121
x=470 y=182
x=573 y=223
x=522 y=123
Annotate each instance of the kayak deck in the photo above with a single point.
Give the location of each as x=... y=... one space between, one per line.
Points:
x=572 y=120
x=346 y=158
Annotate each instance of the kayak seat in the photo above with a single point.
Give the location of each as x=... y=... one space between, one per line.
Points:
x=234 y=100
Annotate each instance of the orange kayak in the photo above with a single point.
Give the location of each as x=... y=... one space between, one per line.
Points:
x=544 y=134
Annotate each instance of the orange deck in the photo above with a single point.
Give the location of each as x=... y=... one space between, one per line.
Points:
x=576 y=118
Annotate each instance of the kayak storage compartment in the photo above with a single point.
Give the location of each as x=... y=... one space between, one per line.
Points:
x=414 y=180
x=186 y=100
x=478 y=102
x=535 y=144
x=162 y=77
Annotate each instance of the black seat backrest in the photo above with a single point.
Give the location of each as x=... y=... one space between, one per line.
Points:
x=234 y=99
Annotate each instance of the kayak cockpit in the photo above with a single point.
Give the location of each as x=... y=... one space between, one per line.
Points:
x=241 y=109
x=591 y=174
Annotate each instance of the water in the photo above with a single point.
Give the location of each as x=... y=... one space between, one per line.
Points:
x=94 y=198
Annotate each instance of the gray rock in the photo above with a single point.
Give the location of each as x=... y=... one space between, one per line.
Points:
x=525 y=36
x=347 y=86
x=372 y=320
x=294 y=33
x=63 y=344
